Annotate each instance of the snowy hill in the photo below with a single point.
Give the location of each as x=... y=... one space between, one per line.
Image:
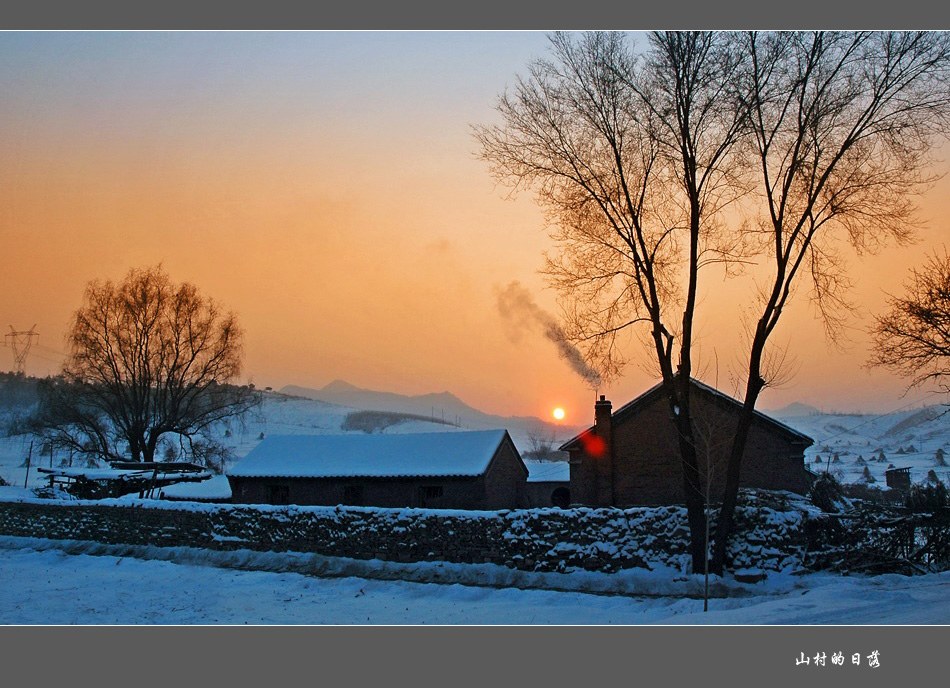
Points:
x=279 y=414
x=907 y=439
x=441 y=406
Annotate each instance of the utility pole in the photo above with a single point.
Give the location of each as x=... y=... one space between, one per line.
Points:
x=21 y=341
x=29 y=460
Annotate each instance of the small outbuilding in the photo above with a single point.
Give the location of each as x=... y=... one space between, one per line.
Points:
x=631 y=457
x=549 y=483
x=445 y=470
x=898 y=478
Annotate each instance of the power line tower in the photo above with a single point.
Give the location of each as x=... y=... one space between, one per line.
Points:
x=21 y=341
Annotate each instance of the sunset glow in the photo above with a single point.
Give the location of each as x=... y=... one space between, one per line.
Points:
x=326 y=188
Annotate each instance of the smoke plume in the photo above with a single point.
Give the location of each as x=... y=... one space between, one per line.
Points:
x=521 y=312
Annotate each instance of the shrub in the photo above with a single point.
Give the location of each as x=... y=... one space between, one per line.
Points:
x=826 y=493
x=930 y=497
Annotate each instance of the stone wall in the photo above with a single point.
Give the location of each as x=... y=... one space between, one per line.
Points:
x=533 y=540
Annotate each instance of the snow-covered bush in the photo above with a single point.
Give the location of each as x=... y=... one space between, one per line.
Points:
x=827 y=495
x=929 y=497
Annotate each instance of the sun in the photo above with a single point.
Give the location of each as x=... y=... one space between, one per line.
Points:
x=558 y=413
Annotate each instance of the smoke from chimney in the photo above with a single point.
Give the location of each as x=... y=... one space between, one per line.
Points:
x=521 y=312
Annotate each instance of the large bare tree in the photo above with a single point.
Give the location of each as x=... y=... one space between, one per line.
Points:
x=632 y=157
x=842 y=128
x=913 y=336
x=826 y=136
x=147 y=358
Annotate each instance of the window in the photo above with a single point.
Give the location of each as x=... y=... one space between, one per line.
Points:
x=353 y=495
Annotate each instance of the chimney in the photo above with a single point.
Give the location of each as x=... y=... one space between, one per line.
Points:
x=604 y=428
x=602 y=411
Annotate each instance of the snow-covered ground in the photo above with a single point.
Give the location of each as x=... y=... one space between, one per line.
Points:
x=907 y=439
x=279 y=415
x=45 y=585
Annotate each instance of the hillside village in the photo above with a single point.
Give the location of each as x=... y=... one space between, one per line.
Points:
x=291 y=442
x=848 y=446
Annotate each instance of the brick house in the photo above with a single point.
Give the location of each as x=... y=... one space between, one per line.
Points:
x=442 y=470
x=631 y=457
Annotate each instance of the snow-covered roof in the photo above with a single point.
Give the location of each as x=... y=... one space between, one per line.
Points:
x=379 y=456
x=124 y=474
x=217 y=487
x=633 y=406
x=548 y=471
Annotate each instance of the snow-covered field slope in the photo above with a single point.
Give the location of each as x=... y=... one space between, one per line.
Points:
x=48 y=586
x=907 y=439
x=279 y=415
x=44 y=585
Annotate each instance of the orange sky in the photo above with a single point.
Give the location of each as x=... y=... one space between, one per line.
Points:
x=325 y=187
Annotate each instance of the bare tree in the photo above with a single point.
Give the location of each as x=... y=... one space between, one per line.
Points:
x=913 y=337
x=632 y=157
x=543 y=443
x=146 y=358
x=712 y=434
x=842 y=127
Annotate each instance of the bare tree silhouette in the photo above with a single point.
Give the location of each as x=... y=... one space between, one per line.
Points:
x=823 y=136
x=633 y=157
x=842 y=128
x=913 y=336
x=146 y=358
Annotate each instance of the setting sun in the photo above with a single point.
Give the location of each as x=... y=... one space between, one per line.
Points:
x=558 y=413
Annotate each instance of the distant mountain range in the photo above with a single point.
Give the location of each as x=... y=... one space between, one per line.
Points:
x=438 y=406
x=445 y=406
x=794 y=410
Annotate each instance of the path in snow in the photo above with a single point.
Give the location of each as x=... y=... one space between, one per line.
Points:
x=52 y=587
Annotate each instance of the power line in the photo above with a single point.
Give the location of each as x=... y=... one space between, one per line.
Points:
x=21 y=341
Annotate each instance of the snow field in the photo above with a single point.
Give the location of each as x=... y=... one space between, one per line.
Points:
x=43 y=584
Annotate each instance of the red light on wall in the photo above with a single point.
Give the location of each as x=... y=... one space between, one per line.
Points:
x=593 y=445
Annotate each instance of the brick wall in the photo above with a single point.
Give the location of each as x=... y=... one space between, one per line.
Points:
x=647 y=464
x=533 y=540
x=505 y=479
x=458 y=493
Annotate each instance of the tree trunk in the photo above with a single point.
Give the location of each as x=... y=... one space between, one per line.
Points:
x=151 y=445
x=693 y=495
x=695 y=506
x=726 y=519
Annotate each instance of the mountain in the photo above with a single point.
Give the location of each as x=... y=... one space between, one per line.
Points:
x=438 y=406
x=794 y=410
x=916 y=420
